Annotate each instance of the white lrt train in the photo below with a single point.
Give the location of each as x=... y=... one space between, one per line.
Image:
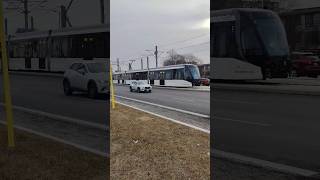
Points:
x=248 y=44
x=184 y=75
x=56 y=50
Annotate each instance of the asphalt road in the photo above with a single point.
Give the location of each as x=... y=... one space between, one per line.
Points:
x=275 y=127
x=45 y=93
x=193 y=101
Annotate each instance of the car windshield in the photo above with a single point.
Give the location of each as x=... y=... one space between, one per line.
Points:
x=140 y=83
x=97 y=67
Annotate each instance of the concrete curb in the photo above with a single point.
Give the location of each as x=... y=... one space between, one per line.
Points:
x=286 y=169
x=271 y=91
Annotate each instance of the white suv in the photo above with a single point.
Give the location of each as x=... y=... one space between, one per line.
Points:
x=140 y=86
x=88 y=76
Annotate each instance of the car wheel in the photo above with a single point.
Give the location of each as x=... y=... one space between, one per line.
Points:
x=92 y=91
x=131 y=89
x=139 y=90
x=67 y=88
x=150 y=91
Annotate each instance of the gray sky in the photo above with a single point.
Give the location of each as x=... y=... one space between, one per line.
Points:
x=141 y=24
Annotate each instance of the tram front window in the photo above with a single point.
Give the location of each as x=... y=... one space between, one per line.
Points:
x=263 y=34
x=272 y=34
x=194 y=72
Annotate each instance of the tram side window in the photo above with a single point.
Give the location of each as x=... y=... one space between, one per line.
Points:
x=179 y=74
x=224 y=40
x=250 y=42
x=168 y=74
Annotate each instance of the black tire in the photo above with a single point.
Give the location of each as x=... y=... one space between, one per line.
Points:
x=67 y=88
x=131 y=89
x=138 y=90
x=92 y=90
x=150 y=91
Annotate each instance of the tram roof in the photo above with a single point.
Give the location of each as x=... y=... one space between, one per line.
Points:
x=180 y=66
x=61 y=32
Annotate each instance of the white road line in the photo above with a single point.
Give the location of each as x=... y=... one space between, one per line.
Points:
x=167 y=118
x=264 y=164
x=61 y=118
x=100 y=153
x=241 y=121
x=165 y=107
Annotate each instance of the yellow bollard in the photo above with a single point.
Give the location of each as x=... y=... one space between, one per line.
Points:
x=6 y=82
x=113 y=101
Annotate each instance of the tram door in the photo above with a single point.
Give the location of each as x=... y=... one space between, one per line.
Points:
x=162 y=76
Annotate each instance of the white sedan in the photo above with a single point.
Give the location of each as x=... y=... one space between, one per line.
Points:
x=87 y=76
x=140 y=86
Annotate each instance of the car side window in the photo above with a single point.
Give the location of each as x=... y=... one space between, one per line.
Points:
x=81 y=69
x=74 y=66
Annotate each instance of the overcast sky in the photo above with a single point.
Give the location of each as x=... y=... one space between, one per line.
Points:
x=171 y=24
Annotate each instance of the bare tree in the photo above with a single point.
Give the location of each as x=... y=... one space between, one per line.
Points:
x=175 y=58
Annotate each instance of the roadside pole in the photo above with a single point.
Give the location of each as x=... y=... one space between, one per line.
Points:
x=6 y=81
x=113 y=103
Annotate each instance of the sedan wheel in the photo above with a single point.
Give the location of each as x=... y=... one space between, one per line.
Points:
x=67 y=88
x=92 y=91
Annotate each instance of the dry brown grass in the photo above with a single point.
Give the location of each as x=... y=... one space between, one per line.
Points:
x=39 y=158
x=147 y=147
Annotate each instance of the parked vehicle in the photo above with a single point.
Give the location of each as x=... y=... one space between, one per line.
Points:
x=87 y=76
x=205 y=81
x=305 y=64
x=140 y=86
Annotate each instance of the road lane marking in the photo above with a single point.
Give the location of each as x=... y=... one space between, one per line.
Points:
x=167 y=118
x=166 y=107
x=264 y=163
x=61 y=118
x=241 y=121
x=81 y=147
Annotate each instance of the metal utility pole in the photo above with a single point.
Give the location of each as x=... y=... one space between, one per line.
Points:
x=156 y=55
x=130 y=64
x=118 y=65
x=32 y=23
x=148 y=69
x=26 y=15
x=102 y=12
x=141 y=64
x=63 y=16
x=6 y=26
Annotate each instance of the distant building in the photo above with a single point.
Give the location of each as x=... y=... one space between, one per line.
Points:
x=303 y=28
x=204 y=70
